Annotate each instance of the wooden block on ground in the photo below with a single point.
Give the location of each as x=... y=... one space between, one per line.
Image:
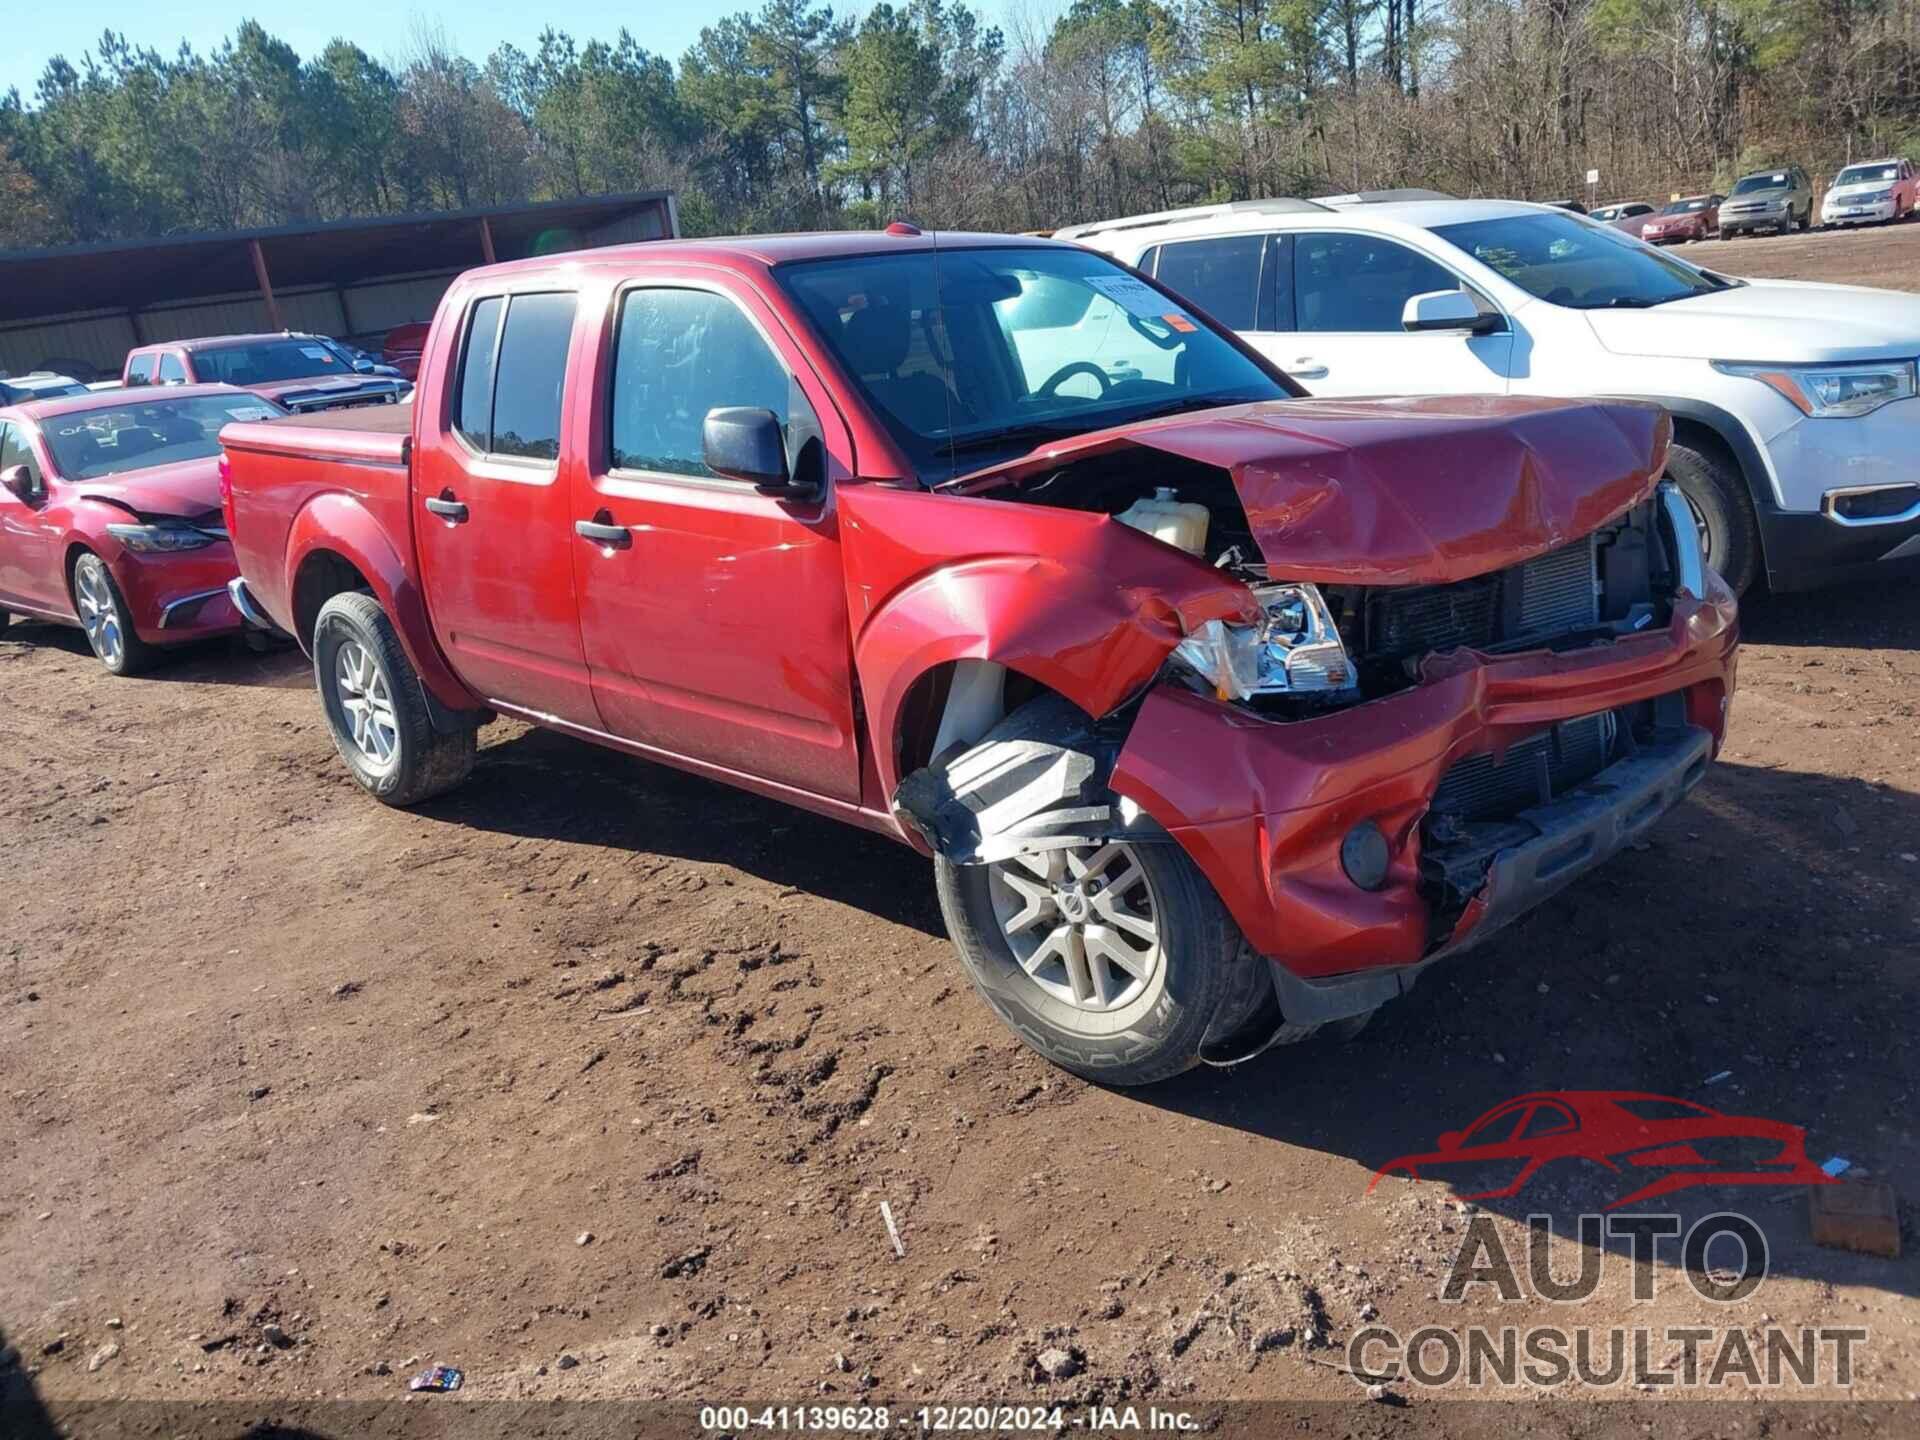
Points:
x=1863 y=1217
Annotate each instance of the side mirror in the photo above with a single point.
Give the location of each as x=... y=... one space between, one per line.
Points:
x=19 y=480
x=1450 y=1140
x=744 y=442
x=1446 y=310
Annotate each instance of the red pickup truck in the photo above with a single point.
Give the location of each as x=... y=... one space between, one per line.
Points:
x=301 y=373
x=1223 y=712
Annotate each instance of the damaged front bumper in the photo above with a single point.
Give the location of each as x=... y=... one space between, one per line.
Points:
x=1267 y=813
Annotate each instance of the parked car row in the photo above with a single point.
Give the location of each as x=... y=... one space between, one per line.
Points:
x=1778 y=201
x=1793 y=431
x=1223 y=711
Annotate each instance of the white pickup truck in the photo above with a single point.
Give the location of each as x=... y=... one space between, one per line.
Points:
x=1796 y=424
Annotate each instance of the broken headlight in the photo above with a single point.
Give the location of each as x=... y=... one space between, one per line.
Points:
x=1293 y=649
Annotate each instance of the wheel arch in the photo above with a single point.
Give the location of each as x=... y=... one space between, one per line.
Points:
x=1701 y=424
x=1049 y=628
x=335 y=544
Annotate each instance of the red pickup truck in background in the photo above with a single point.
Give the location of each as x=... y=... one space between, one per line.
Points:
x=301 y=373
x=1222 y=711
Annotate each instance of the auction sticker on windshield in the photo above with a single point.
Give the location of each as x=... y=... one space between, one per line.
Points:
x=1134 y=296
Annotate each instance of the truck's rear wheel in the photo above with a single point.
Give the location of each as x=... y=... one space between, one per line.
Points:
x=1111 y=960
x=376 y=709
x=1722 y=511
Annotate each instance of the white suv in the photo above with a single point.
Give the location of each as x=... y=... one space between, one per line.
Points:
x=1796 y=422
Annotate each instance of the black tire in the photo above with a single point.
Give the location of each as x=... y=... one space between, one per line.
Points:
x=1201 y=976
x=420 y=762
x=106 y=617
x=1720 y=501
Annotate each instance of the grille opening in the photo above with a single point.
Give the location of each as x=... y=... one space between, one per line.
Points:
x=1531 y=772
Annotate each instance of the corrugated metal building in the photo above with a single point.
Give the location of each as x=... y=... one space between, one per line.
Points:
x=82 y=307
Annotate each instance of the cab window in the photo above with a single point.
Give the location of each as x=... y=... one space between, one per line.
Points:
x=513 y=373
x=172 y=370
x=140 y=372
x=679 y=354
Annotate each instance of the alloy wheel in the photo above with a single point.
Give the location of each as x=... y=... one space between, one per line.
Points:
x=367 y=703
x=99 y=613
x=1083 y=923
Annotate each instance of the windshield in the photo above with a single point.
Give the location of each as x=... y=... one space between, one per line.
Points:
x=1577 y=264
x=1017 y=346
x=1684 y=207
x=92 y=444
x=1865 y=175
x=266 y=361
x=1761 y=182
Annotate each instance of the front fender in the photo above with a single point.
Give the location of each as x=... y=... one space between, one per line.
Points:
x=1078 y=602
x=338 y=524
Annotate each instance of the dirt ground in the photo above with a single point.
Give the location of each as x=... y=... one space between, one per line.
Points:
x=592 y=1079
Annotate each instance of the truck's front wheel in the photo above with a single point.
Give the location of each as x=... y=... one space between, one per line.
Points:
x=1113 y=961
x=376 y=709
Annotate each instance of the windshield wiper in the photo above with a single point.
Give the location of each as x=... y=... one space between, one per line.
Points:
x=1032 y=433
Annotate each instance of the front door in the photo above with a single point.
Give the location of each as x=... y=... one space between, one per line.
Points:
x=1339 y=299
x=26 y=556
x=715 y=619
x=494 y=511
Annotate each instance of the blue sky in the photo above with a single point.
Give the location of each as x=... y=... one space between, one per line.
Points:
x=35 y=30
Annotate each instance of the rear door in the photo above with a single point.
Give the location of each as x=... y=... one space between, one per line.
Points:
x=716 y=626
x=493 y=513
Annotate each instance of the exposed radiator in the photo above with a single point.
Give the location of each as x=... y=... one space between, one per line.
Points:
x=1530 y=773
x=1543 y=597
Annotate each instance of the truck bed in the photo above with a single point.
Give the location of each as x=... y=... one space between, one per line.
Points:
x=366 y=435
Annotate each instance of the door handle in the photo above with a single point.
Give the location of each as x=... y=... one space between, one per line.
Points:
x=453 y=511
x=1306 y=368
x=618 y=536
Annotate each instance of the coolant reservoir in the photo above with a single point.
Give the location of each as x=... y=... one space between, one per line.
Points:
x=1168 y=518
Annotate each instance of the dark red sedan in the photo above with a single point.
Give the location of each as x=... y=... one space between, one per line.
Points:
x=1692 y=217
x=1655 y=1144
x=110 y=516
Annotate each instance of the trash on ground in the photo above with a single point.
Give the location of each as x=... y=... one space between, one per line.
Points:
x=437 y=1378
x=1837 y=1166
x=893 y=1230
x=1716 y=1079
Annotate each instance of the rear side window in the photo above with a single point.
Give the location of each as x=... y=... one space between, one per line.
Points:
x=513 y=375
x=679 y=354
x=1221 y=276
x=172 y=372
x=140 y=372
x=473 y=420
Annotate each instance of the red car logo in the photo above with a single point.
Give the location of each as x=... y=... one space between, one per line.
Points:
x=1675 y=1144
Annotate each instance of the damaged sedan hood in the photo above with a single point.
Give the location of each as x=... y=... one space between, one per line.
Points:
x=1417 y=491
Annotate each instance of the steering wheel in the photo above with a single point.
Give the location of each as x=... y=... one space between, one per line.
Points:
x=1067 y=372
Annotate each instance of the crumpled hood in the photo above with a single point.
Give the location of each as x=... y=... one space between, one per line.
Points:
x=1424 y=490
x=187 y=490
x=1786 y=321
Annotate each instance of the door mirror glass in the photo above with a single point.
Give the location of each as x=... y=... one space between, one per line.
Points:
x=744 y=442
x=1443 y=310
x=19 y=480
